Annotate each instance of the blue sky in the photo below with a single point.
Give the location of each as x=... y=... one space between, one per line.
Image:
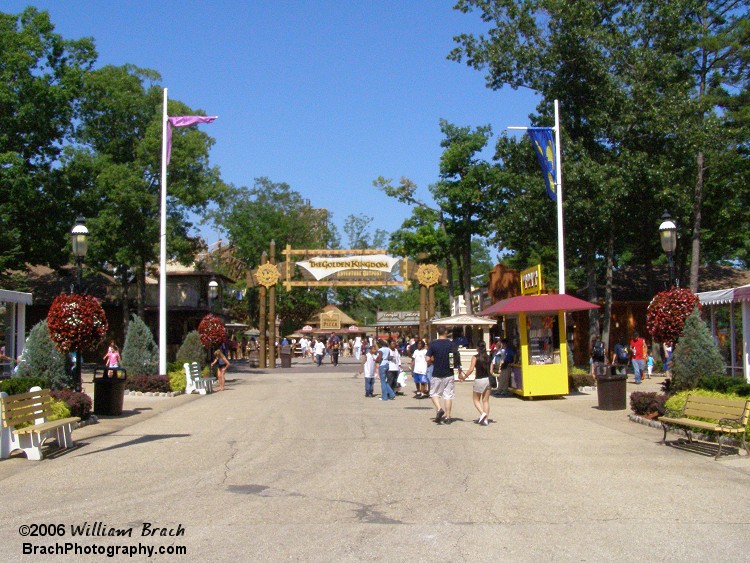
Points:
x=325 y=95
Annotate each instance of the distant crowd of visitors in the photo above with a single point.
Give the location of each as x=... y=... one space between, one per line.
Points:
x=434 y=365
x=637 y=354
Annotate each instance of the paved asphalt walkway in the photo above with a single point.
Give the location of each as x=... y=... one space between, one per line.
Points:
x=297 y=464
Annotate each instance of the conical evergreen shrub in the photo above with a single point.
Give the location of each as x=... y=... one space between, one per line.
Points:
x=140 y=355
x=695 y=355
x=41 y=358
x=192 y=350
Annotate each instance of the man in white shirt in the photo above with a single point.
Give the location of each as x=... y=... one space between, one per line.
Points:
x=320 y=350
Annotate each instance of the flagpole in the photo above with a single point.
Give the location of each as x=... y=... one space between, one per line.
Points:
x=163 y=246
x=558 y=192
x=558 y=198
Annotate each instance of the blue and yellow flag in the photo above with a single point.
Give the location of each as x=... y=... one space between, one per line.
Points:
x=544 y=146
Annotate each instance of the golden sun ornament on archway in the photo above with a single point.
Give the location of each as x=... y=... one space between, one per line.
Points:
x=267 y=275
x=428 y=274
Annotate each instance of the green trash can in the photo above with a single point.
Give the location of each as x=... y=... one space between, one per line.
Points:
x=109 y=391
x=611 y=388
x=286 y=356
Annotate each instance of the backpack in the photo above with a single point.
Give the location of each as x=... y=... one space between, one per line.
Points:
x=597 y=352
x=622 y=354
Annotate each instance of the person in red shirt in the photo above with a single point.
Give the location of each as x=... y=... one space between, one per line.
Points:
x=638 y=356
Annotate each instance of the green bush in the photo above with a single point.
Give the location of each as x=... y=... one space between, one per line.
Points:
x=42 y=359
x=177 y=381
x=695 y=355
x=578 y=377
x=18 y=385
x=140 y=355
x=192 y=350
x=725 y=384
x=59 y=410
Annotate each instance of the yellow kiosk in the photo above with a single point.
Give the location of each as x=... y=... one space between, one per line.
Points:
x=535 y=327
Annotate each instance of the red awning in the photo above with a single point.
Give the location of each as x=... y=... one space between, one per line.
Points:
x=537 y=304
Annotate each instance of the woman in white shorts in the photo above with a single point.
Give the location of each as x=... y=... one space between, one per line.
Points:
x=481 y=392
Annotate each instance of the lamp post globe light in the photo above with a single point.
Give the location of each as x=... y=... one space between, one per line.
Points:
x=79 y=238
x=213 y=292
x=668 y=238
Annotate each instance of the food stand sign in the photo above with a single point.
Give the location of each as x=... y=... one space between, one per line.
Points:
x=531 y=281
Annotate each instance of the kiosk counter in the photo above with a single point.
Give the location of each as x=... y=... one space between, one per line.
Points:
x=535 y=327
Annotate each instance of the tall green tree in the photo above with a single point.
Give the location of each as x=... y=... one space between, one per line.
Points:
x=41 y=79
x=273 y=211
x=466 y=195
x=117 y=168
x=625 y=74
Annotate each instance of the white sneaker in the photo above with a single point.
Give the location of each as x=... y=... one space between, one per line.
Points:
x=482 y=418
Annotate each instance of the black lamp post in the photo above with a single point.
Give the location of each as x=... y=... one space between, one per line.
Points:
x=213 y=292
x=668 y=238
x=79 y=238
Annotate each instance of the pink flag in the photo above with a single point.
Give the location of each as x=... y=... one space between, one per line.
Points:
x=183 y=121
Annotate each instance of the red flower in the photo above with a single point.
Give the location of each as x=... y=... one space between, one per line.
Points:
x=211 y=331
x=668 y=311
x=76 y=322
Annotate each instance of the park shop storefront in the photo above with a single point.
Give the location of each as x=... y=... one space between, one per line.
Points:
x=13 y=304
x=728 y=313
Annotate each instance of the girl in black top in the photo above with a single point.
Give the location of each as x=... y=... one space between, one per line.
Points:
x=481 y=392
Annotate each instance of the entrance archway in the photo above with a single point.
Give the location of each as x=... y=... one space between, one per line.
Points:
x=336 y=268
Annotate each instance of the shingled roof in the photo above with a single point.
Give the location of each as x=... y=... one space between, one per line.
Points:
x=634 y=283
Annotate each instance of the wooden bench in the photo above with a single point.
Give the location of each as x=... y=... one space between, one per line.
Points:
x=723 y=416
x=34 y=407
x=195 y=382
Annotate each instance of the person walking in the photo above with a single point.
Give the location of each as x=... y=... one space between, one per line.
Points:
x=222 y=365
x=358 y=347
x=638 y=356
x=367 y=368
x=384 y=352
x=394 y=366
x=319 y=350
x=419 y=370
x=442 y=385
x=481 y=391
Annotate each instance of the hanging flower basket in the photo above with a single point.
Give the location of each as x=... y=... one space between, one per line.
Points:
x=76 y=322
x=668 y=311
x=211 y=331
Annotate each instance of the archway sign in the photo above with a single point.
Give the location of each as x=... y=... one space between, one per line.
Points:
x=340 y=268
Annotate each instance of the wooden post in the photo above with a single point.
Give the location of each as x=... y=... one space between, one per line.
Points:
x=431 y=304
x=422 y=311
x=272 y=312
x=262 y=320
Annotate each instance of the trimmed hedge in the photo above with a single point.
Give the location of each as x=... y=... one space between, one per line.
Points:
x=177 y=381
x=18 y=385
x=79 y=403
x=725 y=384
x=148 y=383
x=643 y=403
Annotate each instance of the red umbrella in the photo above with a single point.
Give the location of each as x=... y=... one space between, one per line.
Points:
x=537 y=304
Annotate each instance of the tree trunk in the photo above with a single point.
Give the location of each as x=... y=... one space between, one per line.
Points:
x=695 y=258
x=594 y=331
x=124 y=304
x=466 y=272
x=608 y=291
x=140 y=279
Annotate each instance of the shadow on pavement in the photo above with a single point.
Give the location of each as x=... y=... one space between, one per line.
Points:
x=140 y=440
